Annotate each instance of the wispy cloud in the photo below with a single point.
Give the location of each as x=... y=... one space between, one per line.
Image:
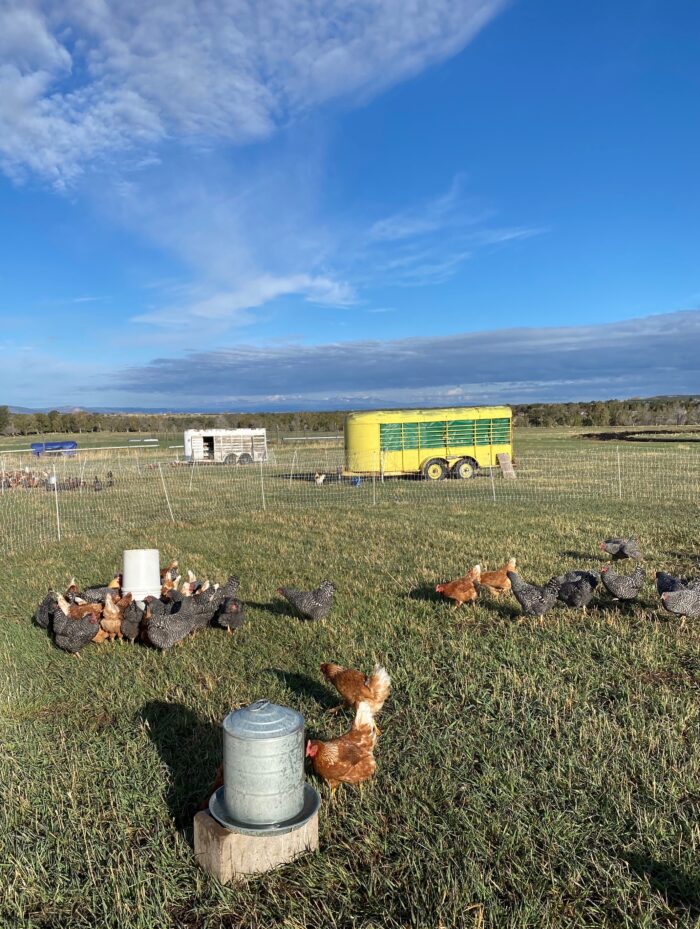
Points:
x=655 y=354
x=230 y=306
x=91 y=80
x=427 y=243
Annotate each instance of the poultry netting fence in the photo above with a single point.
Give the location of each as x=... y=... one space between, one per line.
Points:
x=67 y=497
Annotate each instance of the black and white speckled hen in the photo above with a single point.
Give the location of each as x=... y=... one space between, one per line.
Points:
x=165 y=629
x=73 y=634
x=622 y=548
x=203 y=606
x=131 y=621
x=45 y=610
x=311 y=604
x=534 y=600
x=683 y=602
x=576 y=588
x=231 y=614
x=622 y=586
x=667 y=583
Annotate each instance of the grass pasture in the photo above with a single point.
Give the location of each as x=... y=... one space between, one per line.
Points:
x=531 y=773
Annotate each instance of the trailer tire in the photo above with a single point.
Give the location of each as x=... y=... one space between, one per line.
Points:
x=464 y=469
x=245 y=459
x=231 y=459
x=435 y=469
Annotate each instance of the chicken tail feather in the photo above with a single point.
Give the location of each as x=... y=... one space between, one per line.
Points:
x=380 y=684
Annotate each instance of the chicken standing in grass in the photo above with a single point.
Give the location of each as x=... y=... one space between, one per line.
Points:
x=73 y=634
x=496 y=582
x=463 y=590
x=311 y=604
x=576 y=588
x=131 y=622
x=683 y=602
x=349 y=759
x=622 y=548
x=355 y=688
x=165 y=629
x=622 y=586
x=534 y=600
x=231 y=614
x=667 y=583
x=45 y=610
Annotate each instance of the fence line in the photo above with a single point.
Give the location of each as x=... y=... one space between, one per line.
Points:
x=93 y=497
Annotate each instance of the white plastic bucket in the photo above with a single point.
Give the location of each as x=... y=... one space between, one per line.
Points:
x=141 y=574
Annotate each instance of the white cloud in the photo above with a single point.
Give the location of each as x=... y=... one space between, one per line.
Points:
x=230 y=306
x=89 y=80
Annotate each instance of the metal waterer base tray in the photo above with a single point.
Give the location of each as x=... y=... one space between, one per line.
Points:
x=217 y=808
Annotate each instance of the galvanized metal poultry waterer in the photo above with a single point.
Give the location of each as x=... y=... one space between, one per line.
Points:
x=264 y=788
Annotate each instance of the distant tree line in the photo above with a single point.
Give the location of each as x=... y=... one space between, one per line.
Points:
x=653 y=411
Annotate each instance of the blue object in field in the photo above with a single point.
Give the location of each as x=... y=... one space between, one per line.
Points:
x=67 y=448
x=355 y=481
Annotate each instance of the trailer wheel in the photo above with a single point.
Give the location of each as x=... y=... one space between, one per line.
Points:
x=245 y=459
x=230 y=459
x=464 y=469
x=435 y=469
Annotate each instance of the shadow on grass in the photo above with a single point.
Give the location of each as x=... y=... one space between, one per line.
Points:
x=680 y=889
x=305 y=686
x=425 y=592
x=508 y=609
x=587 y=556
x=190 y=748
x=274 y=607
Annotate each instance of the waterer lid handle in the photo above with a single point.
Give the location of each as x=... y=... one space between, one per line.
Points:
x=258 y=705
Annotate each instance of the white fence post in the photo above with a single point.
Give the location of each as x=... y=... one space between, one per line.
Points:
x=619 y=473
x=493 y=482
x=58 y=515
x=165 y=490
x=194 y=465
x=262 y=484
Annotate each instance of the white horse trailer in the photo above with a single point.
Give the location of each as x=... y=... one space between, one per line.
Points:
x=226 y=446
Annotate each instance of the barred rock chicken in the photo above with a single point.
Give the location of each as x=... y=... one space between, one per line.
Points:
x=45 y=610
x=355 y=688
x=131 y=621
x=203 y=606
x=684 y=602
x=311 y=604
x=73 y=634
x=622 y=586
x=622 y=548
x=165 y=629
x=463 y=590
x=534 y=600
x=576 y=588
x=496 y=582
x=231 y=614
x=348 y=759
x=667 y=583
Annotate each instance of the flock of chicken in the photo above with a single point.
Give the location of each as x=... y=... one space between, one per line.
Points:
x=680 y=596
x=25 y=479
x=102 y=613
x=98 y=614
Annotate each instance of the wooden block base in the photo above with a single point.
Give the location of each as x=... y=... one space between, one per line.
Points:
x=229 y=855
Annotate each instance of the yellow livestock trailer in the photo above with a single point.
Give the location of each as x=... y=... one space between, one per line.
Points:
x=454 y=441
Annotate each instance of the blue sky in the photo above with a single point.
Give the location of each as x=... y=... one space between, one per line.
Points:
x=347 y=204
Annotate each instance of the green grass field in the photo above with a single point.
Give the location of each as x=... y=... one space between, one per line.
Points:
x=538 y=773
